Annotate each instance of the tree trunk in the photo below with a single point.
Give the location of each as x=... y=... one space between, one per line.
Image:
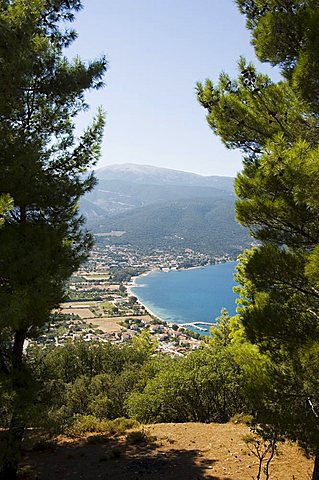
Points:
x=11 y=452
x=11 y=448
x=315 y=473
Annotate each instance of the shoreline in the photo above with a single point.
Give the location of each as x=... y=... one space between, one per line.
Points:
x=132 y=284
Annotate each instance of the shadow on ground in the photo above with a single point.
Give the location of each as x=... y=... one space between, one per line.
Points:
x=114 y=459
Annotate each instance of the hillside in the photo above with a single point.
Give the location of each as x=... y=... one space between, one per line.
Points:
x=117 y=196
x=174 y=451
x=124 y=187
x=207 y=225
x=164 y=208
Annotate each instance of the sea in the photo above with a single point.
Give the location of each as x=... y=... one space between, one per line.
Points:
x=188 y=296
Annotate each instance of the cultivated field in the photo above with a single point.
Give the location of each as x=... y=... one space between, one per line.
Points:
x=112 y=324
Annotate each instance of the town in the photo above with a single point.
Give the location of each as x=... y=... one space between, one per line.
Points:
x=101 y=307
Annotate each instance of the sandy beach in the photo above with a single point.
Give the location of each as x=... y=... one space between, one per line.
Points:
x=133 y=284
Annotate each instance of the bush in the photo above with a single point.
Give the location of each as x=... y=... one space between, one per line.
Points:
x=121 y=425
x=244 y=418
x=135 y=437
x=97 y=439
x=88 y=423
x=202 y=387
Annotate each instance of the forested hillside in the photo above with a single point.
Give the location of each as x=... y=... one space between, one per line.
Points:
x=162 y=208
x=205 y=225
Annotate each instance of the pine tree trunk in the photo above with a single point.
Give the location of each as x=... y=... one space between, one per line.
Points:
x=11 y=450
x=315 y=473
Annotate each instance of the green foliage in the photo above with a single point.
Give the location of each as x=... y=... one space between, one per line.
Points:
x=42 y=164
x=204 y=224
x=84 y=424
x=84 y=379
x=120 y=275
x=251 y=110
x=243 y=418
x=275 y=125
x=221 y=330
x=121 y=425
x=44 y=171
x=135 y=437
x=88 y=423
x=144 y=344
x=203 y=387
x=285 y=33
x=6 y=204
x=88 y=387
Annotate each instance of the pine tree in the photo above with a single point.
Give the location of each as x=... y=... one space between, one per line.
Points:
x=43 y=169
x=276 y=127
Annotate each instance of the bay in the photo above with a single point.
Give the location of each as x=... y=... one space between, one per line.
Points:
x=187 y=296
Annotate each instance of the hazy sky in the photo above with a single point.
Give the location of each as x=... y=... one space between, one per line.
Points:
x=157 y=50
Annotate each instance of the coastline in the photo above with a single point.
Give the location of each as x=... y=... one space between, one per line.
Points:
x=132 y=284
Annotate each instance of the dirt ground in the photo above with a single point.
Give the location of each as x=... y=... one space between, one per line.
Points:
x=108 y=324
x=81 y=312
x=112 y=324
x=77 y=304
x=190 y=451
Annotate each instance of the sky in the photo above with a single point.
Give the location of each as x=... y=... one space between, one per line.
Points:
x=157 y=50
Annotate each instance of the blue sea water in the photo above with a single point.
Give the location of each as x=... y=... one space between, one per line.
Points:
x=186 y=296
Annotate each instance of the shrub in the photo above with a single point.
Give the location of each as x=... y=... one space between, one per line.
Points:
x=97 y=439
x=120 y=425
x=136 y=436
x=88 y=423
x=244 y=418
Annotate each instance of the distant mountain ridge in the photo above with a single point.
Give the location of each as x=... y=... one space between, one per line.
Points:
x=147 y=174
x=164 y=208
x=124 y=187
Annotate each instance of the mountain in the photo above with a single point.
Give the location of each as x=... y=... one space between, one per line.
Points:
x=124 y=187
x=206 y=225
x=147 y=174
x=91 y=211
x=164 y=208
